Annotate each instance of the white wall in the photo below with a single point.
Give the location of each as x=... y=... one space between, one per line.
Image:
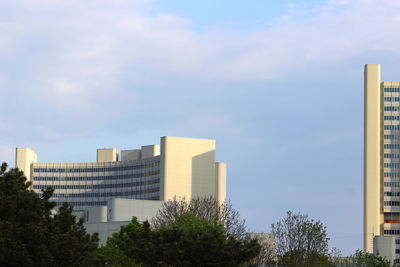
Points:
x=24 y=157
x=104 y=229
x=187 y=167
x=120 y=209
x=107 y=155
x=96 y=214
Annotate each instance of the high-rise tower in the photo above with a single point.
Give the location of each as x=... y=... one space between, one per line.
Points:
x=381 y=157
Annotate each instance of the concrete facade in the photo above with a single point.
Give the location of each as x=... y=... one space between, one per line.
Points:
x=373 y=217
x=104 y=229
x=24 y=158
x=178 y=167
x=381 y=160
x=120 y=209
x=106 y=220
x=385 y=246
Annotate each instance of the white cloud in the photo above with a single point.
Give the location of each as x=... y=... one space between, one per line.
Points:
x=78 y=56
x=7 y=154
x=71 y=70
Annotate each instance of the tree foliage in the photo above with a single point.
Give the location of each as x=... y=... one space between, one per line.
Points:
x=207 y=208
x=112 y=256
x=187 y=241
x=30 y=235
x=363 y=259
x=301 y=241
x=267 y=255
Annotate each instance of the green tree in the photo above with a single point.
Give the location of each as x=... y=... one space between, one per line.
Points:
x=30 y=235
x=112 y=256
x=187 y=241
x=301 y=241
x=364 y=259
x=207 y=208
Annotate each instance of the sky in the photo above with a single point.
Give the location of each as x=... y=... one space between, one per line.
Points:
x=278 y=84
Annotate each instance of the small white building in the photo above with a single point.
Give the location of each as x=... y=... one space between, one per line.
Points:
x=106 y=220
x=385 y=246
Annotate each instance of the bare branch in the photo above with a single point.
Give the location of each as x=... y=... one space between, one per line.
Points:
x=207 y=208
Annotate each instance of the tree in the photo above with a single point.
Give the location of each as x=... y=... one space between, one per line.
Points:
x=207 y=208
x=301 y=241
x=187 y=241
x=112 y=256
x=364 y=259
x=267 y=255
x=30 y=235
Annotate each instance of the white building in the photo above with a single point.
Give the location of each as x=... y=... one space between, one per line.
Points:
x=106 y=220
x=181 y=167
x=381 y=164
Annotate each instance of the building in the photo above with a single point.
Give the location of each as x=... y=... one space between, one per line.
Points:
x=385 y=246
x=381 y=159
x=106 y=220
x=178 y=167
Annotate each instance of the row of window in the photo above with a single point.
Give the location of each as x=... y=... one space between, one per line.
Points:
x=99 y=169
x=391 y=175
x=391 y=108
x=85 y=203
x=392 y=184
x=391 y=194
x=98 y=178
x=391 y=165
x=391 y=98
x=100 y=203
x=392 y=136
x=391 y=118
x=391 y=89
x=391 y=203
x=391 y=156
x=107 y=194
x=96 y=186
x=391 y=127
x=391 y=146
x=391 y=232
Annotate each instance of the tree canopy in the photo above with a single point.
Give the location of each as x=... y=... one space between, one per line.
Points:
x=207 y=208
x=30 y=235
x=187 y=241
x=301 y=241
x=363 y=259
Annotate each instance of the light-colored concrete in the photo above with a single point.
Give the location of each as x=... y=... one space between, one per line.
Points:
x=220 y=181
x=120 y=209
x=96 y=214
x=24 y=157
x=133 y=154
x=106 y=220
x=373 y=217
x=150 y=151
x=181 y=167
x=385 y=246
x=187 y=167
x=107 y=155
x=104 y=229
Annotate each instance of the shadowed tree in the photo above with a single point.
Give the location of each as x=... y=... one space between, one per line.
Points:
x=187 y=241
x=30 y=235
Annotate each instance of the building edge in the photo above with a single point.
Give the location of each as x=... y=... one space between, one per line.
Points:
x=373 y=217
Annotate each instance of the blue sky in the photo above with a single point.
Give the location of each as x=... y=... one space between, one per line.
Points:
x=278 y=84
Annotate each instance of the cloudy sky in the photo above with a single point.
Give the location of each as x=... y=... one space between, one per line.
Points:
x=278 y=84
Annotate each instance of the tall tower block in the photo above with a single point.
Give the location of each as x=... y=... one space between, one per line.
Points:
x=373 y=213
